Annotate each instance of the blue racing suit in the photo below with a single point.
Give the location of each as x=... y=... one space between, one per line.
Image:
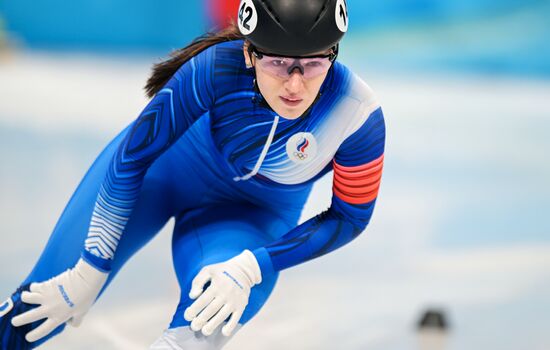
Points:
x=209 y=152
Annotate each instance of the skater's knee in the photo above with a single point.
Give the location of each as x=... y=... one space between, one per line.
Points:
x=11 y=337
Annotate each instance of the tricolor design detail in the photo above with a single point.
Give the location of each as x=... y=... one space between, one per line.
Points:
x=301 y=147
x=358 y=184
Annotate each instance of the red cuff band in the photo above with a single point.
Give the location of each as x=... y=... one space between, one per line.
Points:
x=358 y=184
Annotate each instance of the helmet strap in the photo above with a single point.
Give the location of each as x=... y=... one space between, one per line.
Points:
x=259 y=101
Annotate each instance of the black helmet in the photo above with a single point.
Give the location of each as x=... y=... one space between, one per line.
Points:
x=293 y=27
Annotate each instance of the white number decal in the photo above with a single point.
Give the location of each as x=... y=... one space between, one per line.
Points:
x=342 y=15
x=248 y=18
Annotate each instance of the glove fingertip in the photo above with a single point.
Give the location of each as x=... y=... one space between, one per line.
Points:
x=19 y=320
x=187 y=316
x=75 y=322
x=195 y=327
x=31 y=338
x=226 y=331
x=34 y=287
x=26 y=296
x=15 y=321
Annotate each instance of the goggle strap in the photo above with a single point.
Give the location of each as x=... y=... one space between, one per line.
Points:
x=259 y=54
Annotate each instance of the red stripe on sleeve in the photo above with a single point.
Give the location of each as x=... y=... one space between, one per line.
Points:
x=358 y=184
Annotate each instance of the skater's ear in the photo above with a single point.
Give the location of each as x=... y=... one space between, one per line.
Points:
x=247 y=54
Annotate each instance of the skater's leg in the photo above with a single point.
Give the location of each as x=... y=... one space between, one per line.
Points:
x=211 y=235
x=67 y=240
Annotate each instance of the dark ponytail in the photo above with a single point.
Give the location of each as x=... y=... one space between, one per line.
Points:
x=163 y=71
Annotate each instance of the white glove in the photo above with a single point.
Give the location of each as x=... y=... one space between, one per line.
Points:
x=228 y=293
x=65 y=297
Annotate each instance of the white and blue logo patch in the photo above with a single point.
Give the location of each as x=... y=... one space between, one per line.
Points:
x=301 y=147
x=6 y=307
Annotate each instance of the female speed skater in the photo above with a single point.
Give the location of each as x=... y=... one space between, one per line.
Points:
x=241 y=123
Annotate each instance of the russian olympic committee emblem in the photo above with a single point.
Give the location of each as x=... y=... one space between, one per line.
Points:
x=301 y=147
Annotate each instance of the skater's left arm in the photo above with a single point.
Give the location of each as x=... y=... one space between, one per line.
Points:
x=357 y=169
x=357 y=173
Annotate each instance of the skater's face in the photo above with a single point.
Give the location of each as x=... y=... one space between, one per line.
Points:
x=289 y=85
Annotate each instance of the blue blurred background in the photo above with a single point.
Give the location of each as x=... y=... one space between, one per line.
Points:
x=461 y=221
x=508 y=36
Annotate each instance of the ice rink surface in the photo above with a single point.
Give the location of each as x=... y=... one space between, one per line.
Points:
x=461 y=221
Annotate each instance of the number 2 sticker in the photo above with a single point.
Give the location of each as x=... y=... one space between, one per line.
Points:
x=248 y=17
x=342 y=15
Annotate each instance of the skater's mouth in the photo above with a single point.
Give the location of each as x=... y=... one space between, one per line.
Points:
x=291 y=101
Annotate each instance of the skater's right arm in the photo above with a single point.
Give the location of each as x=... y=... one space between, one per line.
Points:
x=186 y=97
x=68 y=296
